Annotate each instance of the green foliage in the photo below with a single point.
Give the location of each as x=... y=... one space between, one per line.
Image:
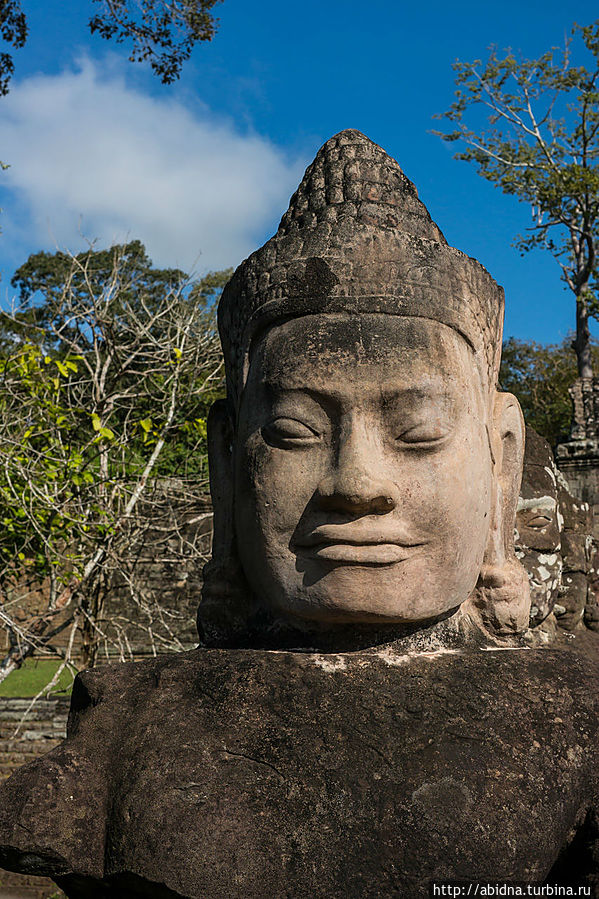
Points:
x=13 y=30
x=46 y=277
x=107 y=372
x=534 y=132
x=110 y=289
x=539 y=375
x=161 y=31
x=52 y=273
x=40 y=457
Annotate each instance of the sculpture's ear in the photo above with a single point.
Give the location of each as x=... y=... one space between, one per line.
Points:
x=223 y=609
x=220 y=461
x=502 y=595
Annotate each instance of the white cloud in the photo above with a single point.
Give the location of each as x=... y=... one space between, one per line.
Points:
x=90 y=155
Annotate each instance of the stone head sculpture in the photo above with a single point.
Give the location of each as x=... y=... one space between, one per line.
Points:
x=364 y=469
x=538 y=526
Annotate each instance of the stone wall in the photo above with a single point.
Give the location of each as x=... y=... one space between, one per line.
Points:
x=582 y=474
x=42 y=730
x=19 y=886
x=153 y=598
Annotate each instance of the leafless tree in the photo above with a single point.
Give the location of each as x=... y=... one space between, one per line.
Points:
x=102 y=464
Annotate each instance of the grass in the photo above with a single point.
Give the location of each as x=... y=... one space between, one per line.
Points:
x=33 y=676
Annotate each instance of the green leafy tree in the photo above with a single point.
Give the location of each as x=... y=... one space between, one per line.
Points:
x=13 y=30
x=140 y=289
x=44 y=472
x=48 y=273
x=110 y=372
x=43 y=279
x=531 y=127
x=540 y=375
x=163 y=32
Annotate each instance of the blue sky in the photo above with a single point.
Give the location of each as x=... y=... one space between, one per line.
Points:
x=201 y=171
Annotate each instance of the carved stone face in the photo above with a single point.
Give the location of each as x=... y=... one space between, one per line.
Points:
x=363 y=475
x=538 y=526
x=538 y=548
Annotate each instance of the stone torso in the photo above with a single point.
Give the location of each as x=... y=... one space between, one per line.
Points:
x=252 y=774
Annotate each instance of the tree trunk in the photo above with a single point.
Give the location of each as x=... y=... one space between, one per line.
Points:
x=582 y=343
x=90 y=633
x=87 y=640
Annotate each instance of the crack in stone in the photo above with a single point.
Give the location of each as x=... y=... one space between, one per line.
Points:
x=250 y=758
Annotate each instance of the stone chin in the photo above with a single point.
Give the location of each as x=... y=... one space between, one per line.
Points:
x=403 y=594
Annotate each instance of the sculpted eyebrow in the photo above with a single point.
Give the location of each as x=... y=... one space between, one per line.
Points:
x=428 y=391
x=329 y=399
x=323 y=398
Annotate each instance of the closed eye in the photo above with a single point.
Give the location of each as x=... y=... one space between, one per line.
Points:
x=539 y=521
x=424 y=436
x=289 y=432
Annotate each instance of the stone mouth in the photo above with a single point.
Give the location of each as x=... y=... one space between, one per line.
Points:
x=361 y=542
x=351 y=552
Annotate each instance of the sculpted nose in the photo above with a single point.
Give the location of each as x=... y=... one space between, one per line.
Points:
x=355 y=493
x=357 y=483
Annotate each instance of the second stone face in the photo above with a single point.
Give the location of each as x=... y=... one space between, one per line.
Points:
x=538 y=526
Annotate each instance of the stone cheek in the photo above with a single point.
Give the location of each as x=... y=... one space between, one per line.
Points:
x=253 y=774
x=544 y=574
x=573 y=598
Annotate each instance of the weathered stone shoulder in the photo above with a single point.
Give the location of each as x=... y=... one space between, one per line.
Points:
x=242 y=772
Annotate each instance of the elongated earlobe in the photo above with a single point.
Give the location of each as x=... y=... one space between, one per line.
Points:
x=502 y=596
x=224 y=605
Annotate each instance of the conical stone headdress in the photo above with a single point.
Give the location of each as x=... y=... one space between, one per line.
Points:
x=357 y=239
